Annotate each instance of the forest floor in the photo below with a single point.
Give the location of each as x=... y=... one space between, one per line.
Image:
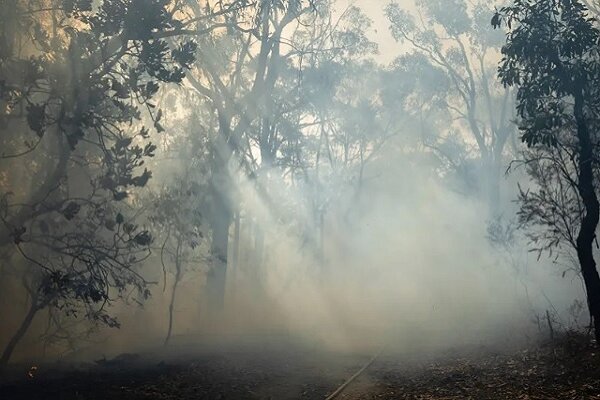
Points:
x=568 y=368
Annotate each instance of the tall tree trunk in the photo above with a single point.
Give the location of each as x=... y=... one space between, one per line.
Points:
x=221 y=217
x=589 y=223
x=171 y=307
x=216 y=278
x=174 y=290
x=16 y=338
x=221 y=214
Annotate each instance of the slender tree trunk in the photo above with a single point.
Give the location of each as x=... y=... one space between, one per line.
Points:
x=174 y=292
x=171 y=306
x=589 y=223
x=216 y=278
x=16 y=338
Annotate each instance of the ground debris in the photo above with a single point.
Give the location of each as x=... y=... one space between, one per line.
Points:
x=566 y=369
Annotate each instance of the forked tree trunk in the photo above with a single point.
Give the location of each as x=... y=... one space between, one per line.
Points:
x=589 y=223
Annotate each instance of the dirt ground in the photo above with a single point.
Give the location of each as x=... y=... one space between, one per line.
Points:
x=267 y=371
x=568 y=368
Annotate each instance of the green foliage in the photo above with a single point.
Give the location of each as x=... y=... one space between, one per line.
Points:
x=551 y=54
x=85 y=89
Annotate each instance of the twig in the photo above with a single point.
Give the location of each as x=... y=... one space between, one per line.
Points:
x=340 y=389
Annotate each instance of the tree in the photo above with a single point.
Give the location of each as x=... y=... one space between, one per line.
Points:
x=449 y=74
x=76 y=83
x=551 y=55
x=258 y=104
x=268 y=80
x=177 y=211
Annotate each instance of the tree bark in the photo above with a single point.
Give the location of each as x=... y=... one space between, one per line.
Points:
x=589 y=222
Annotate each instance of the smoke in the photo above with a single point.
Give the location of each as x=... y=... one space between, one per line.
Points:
x=407 y=263
x=347 y=261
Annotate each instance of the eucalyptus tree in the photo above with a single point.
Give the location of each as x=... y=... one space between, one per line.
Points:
x=236 y=71
x=334 y=127
x=77 y=82
x=551 y=56
x=268 y=77
x=449 y=73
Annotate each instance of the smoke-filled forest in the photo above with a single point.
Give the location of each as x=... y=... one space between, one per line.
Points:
x=299 y=199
